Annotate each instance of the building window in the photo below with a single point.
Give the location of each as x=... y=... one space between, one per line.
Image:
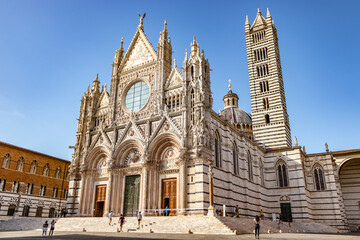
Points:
x=20 y=165
x=250 y=167
x=58 y=172
x=55 y=192
x=2 y=184
x=46 y=170
x=319 y=178
x=267 y=118
x=33 y=167
x=65 y=193
x=6 y=161
x=29 y=188
x=235 y=160
x=26 y=211
x=11 y=210
x=264 y=86
x=42 y=190
x=266 y=103
x=258 y=37
x=137 y=96
x=217 y=150
x=282 y=175
x=262 y=70
x=15 y=187
x=260 y=54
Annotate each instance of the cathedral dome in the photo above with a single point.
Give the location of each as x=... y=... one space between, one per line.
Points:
x=236 y=115
x=233 y=114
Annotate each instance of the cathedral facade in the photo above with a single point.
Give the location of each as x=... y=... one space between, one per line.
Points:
x=151 y=141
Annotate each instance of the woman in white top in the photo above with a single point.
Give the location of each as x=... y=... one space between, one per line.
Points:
x=257 y=226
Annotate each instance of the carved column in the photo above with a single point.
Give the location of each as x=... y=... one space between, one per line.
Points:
x=211 y=209
x=182 y=177
x=108 y=194
x=182 y=182
x=82 y=192
x=144 y=188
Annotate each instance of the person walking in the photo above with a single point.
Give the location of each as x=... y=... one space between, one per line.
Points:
x=52 y=227
x=257 y=226
x=110 y=217
x=121 y=221
x=237 y=211
x=45 y=227
x=139 y=217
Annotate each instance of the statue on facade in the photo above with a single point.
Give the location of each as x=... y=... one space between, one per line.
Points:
x=141 y=18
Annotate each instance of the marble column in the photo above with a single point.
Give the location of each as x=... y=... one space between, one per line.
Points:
x=81 y=194
x=211 y=209
x=182 y=184
x=144 y=188
x=108 y=194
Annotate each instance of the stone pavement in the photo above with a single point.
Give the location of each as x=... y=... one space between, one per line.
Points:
x=36 y=235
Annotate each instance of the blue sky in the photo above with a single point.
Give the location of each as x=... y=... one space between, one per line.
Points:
x=51 y=50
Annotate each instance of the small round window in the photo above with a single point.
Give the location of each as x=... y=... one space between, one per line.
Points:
x=137 y=96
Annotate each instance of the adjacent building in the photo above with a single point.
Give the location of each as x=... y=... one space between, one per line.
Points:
x=39 y=180
x=151 y=141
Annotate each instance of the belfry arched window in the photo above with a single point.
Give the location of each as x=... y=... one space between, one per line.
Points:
x=235 y=160
x=319 y=178
x=217 y=150
x=282 y=174
x=250 y=167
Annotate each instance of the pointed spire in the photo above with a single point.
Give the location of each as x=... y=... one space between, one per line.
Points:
x=258 y=10
x=88 y=89
x=174 y=63
x=247 y=20
x=186 y=54
x=96 y=82
x=105 y=87
x=268 y=14
x=122 y=43
x=229 y=85
x=194 y=42
x=165 y=24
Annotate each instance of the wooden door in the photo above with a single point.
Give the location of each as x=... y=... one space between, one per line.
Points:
x=100 y=196
x=169 y=195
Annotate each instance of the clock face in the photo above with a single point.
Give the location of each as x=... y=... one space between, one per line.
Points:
x=137 y=96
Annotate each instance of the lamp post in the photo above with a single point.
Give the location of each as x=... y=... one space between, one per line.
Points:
x=16 y=213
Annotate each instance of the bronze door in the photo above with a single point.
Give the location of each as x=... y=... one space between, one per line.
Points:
x=168 y=197
x=100 y=196
x=132 y=192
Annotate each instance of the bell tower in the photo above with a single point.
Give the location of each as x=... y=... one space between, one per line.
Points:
x=269 y=114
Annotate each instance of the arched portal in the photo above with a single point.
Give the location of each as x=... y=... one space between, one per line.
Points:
x=349 y=175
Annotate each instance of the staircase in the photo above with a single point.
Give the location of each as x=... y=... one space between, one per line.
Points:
x=176 y=224
x=246 y=225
